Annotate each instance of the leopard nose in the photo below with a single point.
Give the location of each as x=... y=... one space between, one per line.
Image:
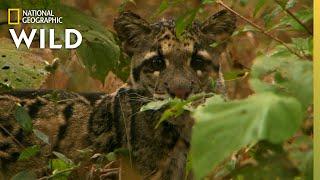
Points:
x=182 y=93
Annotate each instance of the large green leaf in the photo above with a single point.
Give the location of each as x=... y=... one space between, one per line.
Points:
x=99 y=51
x=20 y=68
x=287 y=75
x=99 y=55
x=224 y=127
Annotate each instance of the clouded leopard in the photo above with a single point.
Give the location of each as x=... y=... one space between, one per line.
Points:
x=162 y=65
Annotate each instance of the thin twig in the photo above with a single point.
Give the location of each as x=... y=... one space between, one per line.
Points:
x=262 y=30
x=14 y=139
x=294 y=17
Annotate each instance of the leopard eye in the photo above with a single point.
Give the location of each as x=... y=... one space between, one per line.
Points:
x=197 y=63
x=157 y=63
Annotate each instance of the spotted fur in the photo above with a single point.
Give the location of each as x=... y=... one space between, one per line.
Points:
x=163 y=65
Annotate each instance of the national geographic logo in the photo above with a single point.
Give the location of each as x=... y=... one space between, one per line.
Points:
x=32 y=16
x=72 y=37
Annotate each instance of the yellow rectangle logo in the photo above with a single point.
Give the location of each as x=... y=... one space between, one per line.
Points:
x=14 y=12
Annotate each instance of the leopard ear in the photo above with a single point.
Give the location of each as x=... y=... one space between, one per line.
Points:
x=219 y=26
x=132 y=30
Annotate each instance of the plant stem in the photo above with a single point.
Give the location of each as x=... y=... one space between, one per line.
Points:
x=262 y=30
x=294 y=17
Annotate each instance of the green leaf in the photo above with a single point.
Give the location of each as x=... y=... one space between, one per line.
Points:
x=281 y=51
x=247 y=28
x=224 y=127
x=23 y=118
x=215 y=44
x=304 y=16
x=286 y=75
x=99 y=51
x=268 y=17
x=303 y=45
x=184 y=21
x=175 y=106
x=99 y=58
x=155 y=105
x=85 y=151
x=291 y=4
x=111 y=156
x=25 y=175
x=162 y=7
x=235 y=74
x=58 y=166
x=43 y=137
x=122 y=151
x=20 y=69
x=174 y=111
x=29 y=152
x=61 y=167
x=63 y=158
x=258 y=7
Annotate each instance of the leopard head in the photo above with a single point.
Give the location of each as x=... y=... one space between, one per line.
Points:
x=164 y=65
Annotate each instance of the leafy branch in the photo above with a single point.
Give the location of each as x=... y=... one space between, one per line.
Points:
x=294 y=17
x=174 y=107
x=260 y=29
